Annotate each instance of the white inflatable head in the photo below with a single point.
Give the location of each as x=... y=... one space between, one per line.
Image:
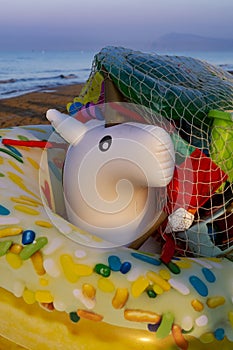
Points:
x=114 y=178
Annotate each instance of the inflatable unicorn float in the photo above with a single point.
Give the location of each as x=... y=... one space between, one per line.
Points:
x=111 y=176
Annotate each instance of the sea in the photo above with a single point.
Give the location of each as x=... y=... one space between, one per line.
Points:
x=27 y=71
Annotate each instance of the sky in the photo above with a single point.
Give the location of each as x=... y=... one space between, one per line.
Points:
x=92 y=24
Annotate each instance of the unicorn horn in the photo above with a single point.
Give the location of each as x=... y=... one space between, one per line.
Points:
x=69 y=128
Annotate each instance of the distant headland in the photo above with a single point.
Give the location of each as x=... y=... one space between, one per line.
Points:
x=191 y=42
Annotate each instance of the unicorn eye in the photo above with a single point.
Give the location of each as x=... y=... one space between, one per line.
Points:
x=105 y=143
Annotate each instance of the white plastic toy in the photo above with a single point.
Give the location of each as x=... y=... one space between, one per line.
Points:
x=114 y=178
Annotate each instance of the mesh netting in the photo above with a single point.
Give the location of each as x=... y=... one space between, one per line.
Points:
x=196 y=98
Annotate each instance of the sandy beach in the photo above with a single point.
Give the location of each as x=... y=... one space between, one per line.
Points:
x=31 y=108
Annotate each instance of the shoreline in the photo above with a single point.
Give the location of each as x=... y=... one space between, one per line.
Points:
x=31 y=107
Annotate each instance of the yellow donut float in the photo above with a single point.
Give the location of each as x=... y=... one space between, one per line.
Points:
x=64 y=288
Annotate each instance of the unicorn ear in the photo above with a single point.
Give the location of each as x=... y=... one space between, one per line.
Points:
x=69 y=128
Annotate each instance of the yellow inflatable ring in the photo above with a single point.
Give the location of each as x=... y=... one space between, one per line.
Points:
x=94 y=298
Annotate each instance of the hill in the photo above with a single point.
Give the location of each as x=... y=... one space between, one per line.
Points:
x=191 y=42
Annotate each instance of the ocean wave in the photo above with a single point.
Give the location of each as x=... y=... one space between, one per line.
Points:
x=31 y=79
x=8 y=81
x=69 y=76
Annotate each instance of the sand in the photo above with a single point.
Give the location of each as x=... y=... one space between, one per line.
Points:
x=31 y=108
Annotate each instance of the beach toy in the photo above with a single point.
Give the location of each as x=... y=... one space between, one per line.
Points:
x=177 y=87
x=196 y=179
x=119 y=173
x=222 y=140
x=90 y=296
x=92 y=92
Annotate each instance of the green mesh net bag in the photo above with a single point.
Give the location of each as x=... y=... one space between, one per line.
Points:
x=196 y=99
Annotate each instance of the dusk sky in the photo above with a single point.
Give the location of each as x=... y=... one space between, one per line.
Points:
x=91 y=24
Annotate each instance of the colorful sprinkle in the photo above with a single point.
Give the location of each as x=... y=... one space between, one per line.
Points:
x=197 y=305
x=165 y=325
x=4 y=247
x=16 y=248
x=219 y=334
x=89 y=290
x=28 y=237
x=102 y=270
x=201 y=262
x=201 y=321
x=207 y=338
x=22 y=137
x=230 y=317
x=26 y=210
x=139 y=286
x=4 y=210
x=184 y=264
x=43 y=223
x=10 y=231
x=30 y=249
x=165 y=274
x=187 y=323
x=12 y=154
x=9 y=220
x=215 y=301
x=23 y=201
x=146 y=258
x=30 y=200
x=82 y=270
x=179 y=286
x=157 y=279
x=15 y=166
x=33 y=163
x=59 y=305
x=79 y=253
x=153 y=327
x=87 y=302
x=209 y=275
x=105 y=285
x=29 y=297
x=67 y=266
x=44 y=296
x=157 y=289
x=125 y=267
x=14 y=150
x=43 y=281
x=179 y=339
x=151 y=293
x=74 y=317
x=88 y=315
x=174 y=268
x=37 y=261
x=19 y=182
x=14 y=260
x=120 y=298
x=137 y=315
x=198 y=285
x=114 y=263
